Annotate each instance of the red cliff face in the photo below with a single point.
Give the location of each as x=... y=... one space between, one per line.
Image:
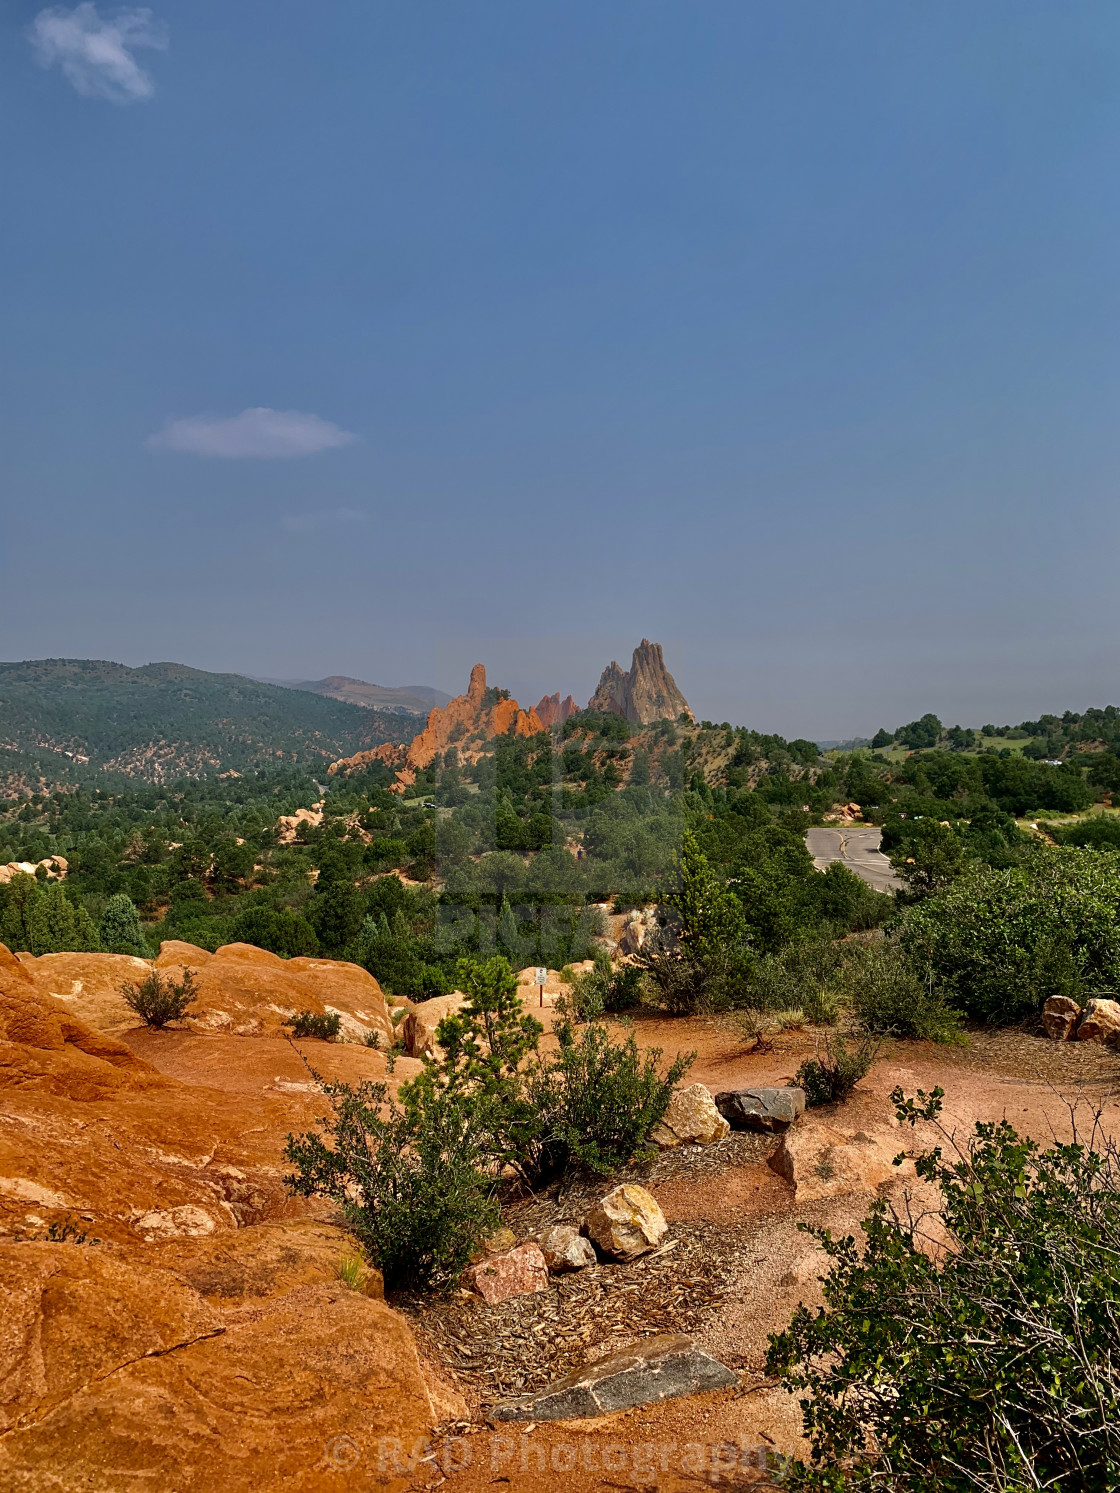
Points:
x=646 y=693
x=553 y=711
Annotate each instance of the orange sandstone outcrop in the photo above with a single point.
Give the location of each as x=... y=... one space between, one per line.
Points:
x=467 y=722
x=242 y=990
x=173 y=1319
x=553 y=711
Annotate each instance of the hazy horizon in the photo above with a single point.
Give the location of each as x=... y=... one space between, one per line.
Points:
x=528 y=693
x=379 y=341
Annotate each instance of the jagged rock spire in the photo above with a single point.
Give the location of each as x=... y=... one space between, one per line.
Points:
x=647 y=692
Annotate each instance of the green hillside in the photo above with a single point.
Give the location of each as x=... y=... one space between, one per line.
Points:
x=74 y=720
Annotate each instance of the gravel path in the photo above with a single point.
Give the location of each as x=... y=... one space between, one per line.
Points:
x=526 y=1342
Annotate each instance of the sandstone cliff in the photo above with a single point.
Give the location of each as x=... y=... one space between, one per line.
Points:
x=553 y=711
x=646 y=693
x=468 y=722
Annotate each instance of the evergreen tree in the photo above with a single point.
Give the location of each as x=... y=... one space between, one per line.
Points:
x=518 y=949
x=336 y=910
x=711 y=916
x=709 y=966
x=119 y=930
x=20 y=896
x=57 y=926
x=484 y=1046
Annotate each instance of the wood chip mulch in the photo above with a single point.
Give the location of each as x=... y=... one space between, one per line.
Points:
x=1019 y=1054
x=525 y=1343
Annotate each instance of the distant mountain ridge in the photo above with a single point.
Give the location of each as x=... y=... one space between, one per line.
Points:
x=413 y=699
x=73 y=720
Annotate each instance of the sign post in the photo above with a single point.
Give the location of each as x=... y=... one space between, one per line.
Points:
x=542 y=976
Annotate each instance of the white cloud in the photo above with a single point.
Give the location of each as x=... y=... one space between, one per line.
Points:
x=256 y=432
x=304 y=523
x=95 y=53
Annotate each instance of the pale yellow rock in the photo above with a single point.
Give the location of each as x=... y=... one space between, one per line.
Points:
x=1101 y=1021
x=564 y=1249
x=823 y=1163
x=691 y=1119
x=1060 y=1016
x=626 y=1223
x=418 y=1029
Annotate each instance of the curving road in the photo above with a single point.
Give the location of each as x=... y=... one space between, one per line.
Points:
x=856 y=847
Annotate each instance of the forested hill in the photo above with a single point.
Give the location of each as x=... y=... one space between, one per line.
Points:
x=71 y=720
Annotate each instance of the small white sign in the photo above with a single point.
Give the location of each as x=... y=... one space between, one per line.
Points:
x=542 y=976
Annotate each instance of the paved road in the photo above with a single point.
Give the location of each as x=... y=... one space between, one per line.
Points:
x=858 y=849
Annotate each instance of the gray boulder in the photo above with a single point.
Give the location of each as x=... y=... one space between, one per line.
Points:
x=661 y=1368
x=761 y=1109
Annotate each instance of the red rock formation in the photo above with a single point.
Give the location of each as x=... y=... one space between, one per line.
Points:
x=201 y=1332
x=553 y=711
x=241 y=989
x=646 y=693
x=466 y=722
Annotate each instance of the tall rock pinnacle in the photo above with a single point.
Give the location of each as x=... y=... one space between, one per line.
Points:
x=648 y=692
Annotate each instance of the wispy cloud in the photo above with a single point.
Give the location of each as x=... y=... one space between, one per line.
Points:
x=255 y=432
x=95 y=52
x=304 y=523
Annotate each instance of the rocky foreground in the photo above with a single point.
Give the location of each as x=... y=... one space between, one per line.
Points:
x=171 y=1318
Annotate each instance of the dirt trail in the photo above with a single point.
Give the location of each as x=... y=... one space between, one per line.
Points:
x=743 y=1213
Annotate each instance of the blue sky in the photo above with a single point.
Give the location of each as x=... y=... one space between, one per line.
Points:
x=377 y=339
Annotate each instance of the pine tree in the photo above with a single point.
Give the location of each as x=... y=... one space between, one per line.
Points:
x=517 y=949
x=56 y=926
x=119 y=930
x=711 y=915
x=20 y=897
x=484 y=1045
x=708 y=968
x=337 y=909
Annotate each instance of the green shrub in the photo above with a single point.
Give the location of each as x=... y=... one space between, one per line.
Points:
x=830 y=1078
x=1100 y=831
x=886 y=994
x=591 y=1103
x=411 y=1181
x=608 y=988
x=307 y=1024
x=987 y=1364
x=596 y=1102
x=804 y=977
x=1000 y=942
x=158 y=999
x=415 y=1176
